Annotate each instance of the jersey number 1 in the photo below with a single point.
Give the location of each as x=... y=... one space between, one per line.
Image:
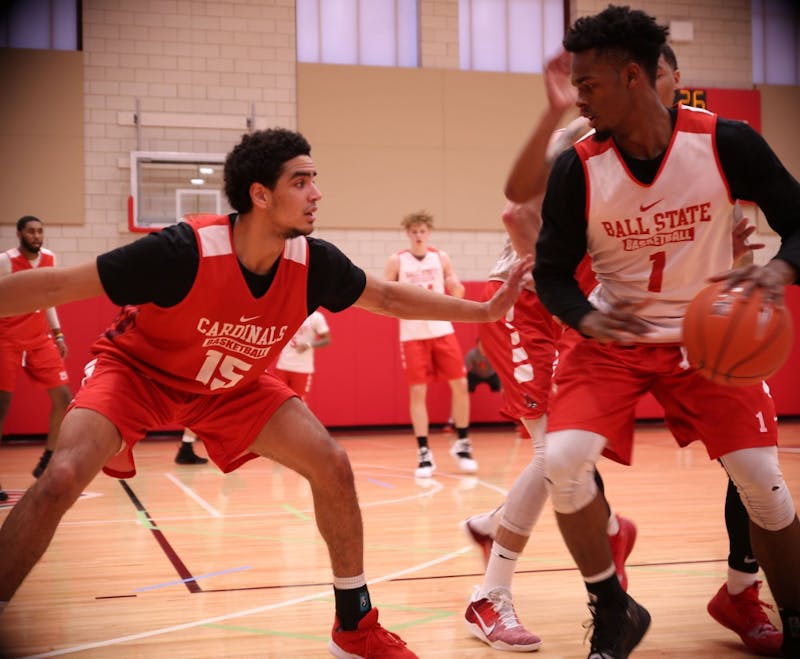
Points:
x=658 y=260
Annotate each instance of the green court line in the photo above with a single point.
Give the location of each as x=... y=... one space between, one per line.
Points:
x=269 y=632
x=294 y=511
x=433 y=615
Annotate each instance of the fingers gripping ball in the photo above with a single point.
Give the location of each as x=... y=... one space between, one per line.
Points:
x=733 y=339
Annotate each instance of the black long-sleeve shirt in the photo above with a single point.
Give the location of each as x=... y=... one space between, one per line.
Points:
x=749 y=165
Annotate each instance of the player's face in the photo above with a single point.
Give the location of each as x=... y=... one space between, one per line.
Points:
x=31 y=237
x=295 y=198
x=602 y=93
x=667 y=82
x=418 y=234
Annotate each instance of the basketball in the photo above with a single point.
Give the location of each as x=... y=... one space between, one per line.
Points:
x=736 y=340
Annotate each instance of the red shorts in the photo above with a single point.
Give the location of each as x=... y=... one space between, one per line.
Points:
x=522 y=349
x=300 y=383
x=42 y=363
x=597 y=387
x=426 y=360
x=227 y=422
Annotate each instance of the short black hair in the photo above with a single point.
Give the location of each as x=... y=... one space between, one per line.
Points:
x=21 y=222
x=259 y=158
x=631 y=34
x=669 y=56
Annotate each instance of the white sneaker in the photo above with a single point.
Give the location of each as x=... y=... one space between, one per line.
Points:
x=461 y=450
x=426 y=465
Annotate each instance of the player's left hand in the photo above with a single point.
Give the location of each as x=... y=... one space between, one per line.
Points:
x=772 y=277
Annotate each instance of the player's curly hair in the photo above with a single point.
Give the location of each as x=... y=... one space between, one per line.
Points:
x=21 y=222
x=629 y=34
x=259 y=158
x=417 y=217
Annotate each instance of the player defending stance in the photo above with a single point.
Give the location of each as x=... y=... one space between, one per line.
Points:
x=191 y=348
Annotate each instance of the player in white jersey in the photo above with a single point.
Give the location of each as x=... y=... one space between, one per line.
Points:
x=429 y=348
x=649 y=196
x=295 y=365
x=737 y=604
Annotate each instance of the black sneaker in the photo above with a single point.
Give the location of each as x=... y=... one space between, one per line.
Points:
x=3 y=495
x=43 y=462
x=617 y=631
x=791 y=633
x=187 y=456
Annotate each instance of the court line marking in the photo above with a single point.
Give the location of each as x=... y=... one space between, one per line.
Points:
x=200 y=501
x=176 y=582
x=245 y=612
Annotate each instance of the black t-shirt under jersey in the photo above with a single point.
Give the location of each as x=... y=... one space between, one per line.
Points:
x=753 y=173
x=161 y=268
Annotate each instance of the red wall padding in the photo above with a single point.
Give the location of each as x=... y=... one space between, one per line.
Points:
x=359 y=380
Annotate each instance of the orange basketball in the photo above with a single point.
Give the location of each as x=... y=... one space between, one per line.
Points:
x=733 y=339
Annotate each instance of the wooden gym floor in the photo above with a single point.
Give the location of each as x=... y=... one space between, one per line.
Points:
x=183 y=561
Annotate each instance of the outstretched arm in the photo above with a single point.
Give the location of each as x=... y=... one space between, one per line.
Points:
x=417 y=303
x=40 y=288
x=528 y=176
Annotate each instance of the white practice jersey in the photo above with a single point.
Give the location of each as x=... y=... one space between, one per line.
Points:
x=427 y=272
x=644 y=239
x=303 y=362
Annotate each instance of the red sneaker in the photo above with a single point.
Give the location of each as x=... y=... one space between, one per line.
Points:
x=483 y=540
x=744 y=614
x=621 y=547
x=493 y=620
x=369 y=641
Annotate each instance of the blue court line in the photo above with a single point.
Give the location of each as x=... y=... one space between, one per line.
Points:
x=198 y=577
x=381 y=483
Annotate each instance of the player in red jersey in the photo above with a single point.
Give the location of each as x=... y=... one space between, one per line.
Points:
x=33 y=342
x=207 y=307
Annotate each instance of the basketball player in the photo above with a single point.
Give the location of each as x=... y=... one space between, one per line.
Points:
x=33 y=342
x=736 y=605
x=675 y=172
x=191 y=346
x=429 y=348
x=295 y=365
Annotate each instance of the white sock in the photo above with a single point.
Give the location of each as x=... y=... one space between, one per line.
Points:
x=188 y=438
x=739 y=581
x=500 y=570
x=348 y=583
x=613 y=524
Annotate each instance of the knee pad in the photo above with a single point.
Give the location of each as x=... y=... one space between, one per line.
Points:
x=571 y=456
x=761 y=486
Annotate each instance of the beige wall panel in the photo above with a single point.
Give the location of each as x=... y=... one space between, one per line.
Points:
x=473 y=188
x=779 y=105
x=41 y=128
x=370 y=105
x=376 y=186
x=402 y=139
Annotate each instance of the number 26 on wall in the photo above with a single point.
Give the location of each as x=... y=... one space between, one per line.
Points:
x=695 y=98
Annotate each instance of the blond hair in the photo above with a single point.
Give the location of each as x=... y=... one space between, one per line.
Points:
x=420 y=217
